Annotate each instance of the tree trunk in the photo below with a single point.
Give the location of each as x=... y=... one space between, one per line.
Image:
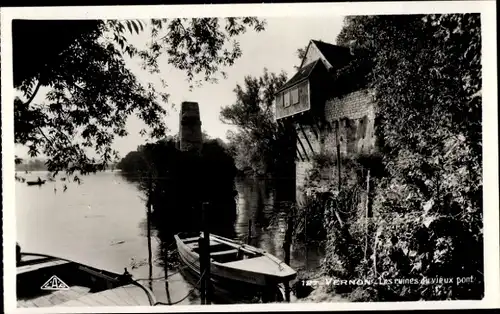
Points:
x=150 y=250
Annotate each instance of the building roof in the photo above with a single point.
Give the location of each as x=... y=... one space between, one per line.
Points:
x=302 y=74
x=337 y=56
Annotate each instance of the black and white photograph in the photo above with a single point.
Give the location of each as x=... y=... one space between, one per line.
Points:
x=285 y=155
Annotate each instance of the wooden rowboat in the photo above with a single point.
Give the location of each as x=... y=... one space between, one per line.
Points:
x=35 y=182
x=47 y=281
x=236 y=268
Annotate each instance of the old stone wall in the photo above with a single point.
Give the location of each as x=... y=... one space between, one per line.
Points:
x=301 y=168
x=354 y=114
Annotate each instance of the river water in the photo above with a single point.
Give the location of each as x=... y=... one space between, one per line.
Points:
x=101 y=223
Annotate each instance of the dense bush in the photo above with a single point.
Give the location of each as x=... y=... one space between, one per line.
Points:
x=179 y=182
x=321 y=197
x=426 y=218
x=260 y=144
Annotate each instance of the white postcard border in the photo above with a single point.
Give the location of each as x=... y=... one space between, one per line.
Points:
x=490 y=131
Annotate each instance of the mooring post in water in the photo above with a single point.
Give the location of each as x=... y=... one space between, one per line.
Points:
x=167 y=288
x=249 y=239
x=203 y=290
x=286 y=246
x=206 y=254
x=150 y=251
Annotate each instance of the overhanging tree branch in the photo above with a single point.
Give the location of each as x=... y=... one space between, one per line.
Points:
x=34 y=93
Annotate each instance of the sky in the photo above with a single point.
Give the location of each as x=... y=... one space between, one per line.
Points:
x=274 y=49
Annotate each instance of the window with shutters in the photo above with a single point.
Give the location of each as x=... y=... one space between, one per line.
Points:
x=286 y=97
x=294 y=96
x=279 y=100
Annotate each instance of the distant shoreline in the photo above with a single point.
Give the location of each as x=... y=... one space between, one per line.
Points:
x=62 y=172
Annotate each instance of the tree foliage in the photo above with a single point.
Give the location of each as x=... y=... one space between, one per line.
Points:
x=91 y=90
x=256 y=145
x=301 y=53
x=176 y=183
x=427 y=209
x=428 y=85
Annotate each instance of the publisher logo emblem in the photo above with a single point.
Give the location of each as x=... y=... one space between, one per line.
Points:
x=54 y=283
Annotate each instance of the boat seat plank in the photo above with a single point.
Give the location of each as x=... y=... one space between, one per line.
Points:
x=195 y=244
x=187 y=240
x=228 y=252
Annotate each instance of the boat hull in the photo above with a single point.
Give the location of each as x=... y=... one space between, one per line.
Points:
x=35 y=270
x=233 y=292
x=233 y=281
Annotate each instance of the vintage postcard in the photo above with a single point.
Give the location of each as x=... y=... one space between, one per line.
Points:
x=257 y=157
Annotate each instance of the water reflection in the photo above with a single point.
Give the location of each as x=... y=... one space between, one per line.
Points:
x=256 y=200
x=255 y=205
x=105 y=217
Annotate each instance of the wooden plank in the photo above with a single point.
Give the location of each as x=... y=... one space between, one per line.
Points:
x=90 y=301
x=139 y=295
x=42 y=302
x=96 y=273
x=26 y=303
x=29 y=268
x=79 y=290
x=243 y=247
x=74 y=303
x=194 y=245
x=306 y=157
x=124 y=296
x=190 y=239
x=103 y=299
x=306 y=138
x=64 y=296
x=298 y=151
x=111 y=297
x=228 y=252
x=59 y=297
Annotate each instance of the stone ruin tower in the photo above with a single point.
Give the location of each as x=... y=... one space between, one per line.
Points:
x=190 y=138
